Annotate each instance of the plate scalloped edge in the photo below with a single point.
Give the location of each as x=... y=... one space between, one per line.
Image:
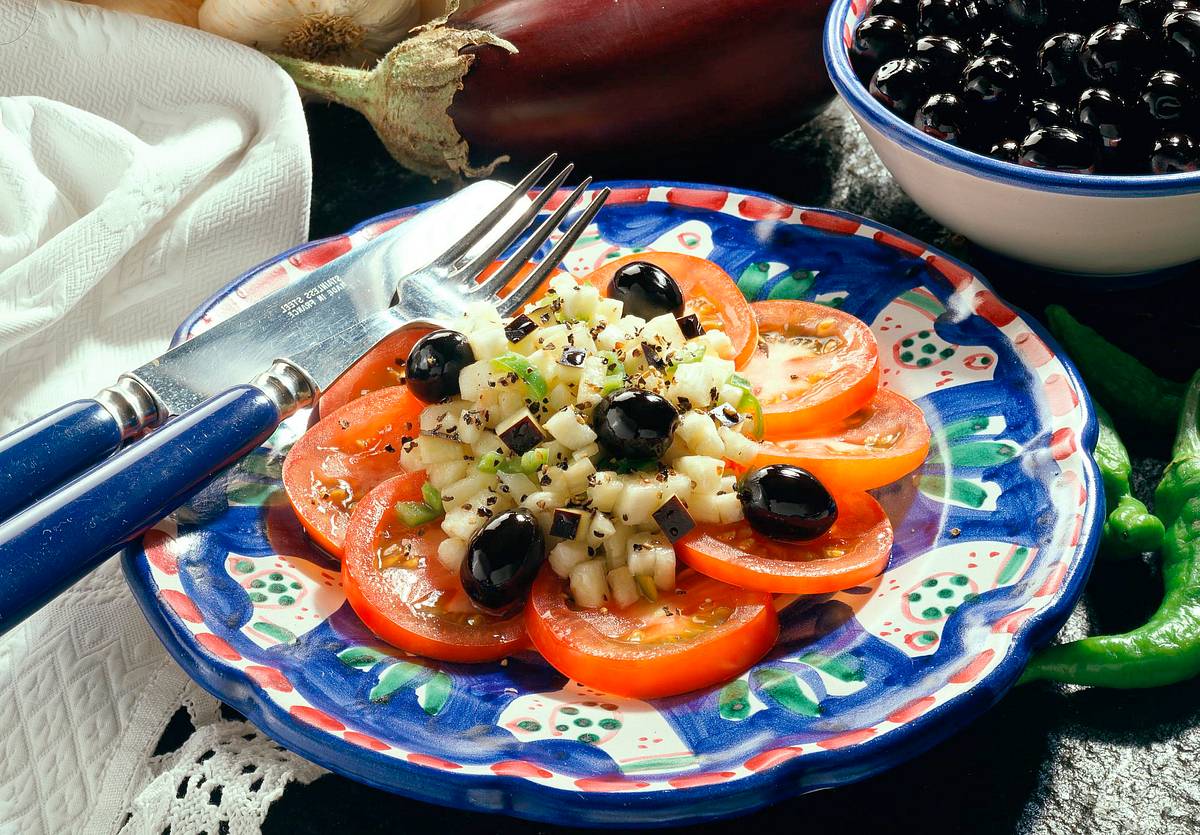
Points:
x=776 y=772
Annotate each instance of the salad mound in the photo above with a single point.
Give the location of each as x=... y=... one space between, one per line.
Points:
x=623 y=475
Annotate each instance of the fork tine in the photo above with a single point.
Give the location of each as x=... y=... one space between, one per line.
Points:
x=496 y=282
x=457 y=250
x=467 y=273
x=531 y=282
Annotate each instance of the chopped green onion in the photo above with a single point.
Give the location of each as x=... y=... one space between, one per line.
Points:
x=416 y=514
x=646 y=586
x=749 y=401
x=534 y=460
x=519 y=365
x=611 y=384
x=690 y=354
x=489 y=462
x=433 y=498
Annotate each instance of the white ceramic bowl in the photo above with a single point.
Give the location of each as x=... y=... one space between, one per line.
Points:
x=1073 y=223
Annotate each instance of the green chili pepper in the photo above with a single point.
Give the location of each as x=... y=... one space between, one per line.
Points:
x=1137 y=396
x=1166 y=649
x=527 y=463
x=416 y=514
x=519 y=365
x=749 y=401
x=1129 y=528
x=490 y=462
x=433 y=498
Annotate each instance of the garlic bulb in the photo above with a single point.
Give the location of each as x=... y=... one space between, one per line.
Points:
x=176 y=11
x=341 y=31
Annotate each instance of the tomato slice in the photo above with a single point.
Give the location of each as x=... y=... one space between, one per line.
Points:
x=853 y=551
x=881 y=442
x=708 y=291
x=379 y=368
x=337 y=461
x=812 y=365
x=703 y=633
x=402 y=593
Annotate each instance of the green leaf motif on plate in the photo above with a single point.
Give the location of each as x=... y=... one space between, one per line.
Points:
x=734 y=702
x=433 y=695
x=967 y=493
x=361 y=658
x=784 y=689
x=394 y=678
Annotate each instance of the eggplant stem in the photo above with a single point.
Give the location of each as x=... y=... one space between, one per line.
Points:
x=345 y=85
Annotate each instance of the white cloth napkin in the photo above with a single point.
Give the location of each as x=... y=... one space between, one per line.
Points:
x=142 y=166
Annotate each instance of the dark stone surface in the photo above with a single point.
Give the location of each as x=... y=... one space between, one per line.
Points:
x=1045 y=759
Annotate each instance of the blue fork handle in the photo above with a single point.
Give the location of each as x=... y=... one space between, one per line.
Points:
x=51 y=544
x=53 y=449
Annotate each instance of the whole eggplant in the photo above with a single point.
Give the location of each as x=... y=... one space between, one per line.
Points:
x=520 y=78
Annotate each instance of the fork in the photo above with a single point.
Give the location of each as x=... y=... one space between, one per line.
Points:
x=59 y=539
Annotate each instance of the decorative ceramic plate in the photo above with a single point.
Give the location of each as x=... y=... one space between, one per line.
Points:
x=994 y=539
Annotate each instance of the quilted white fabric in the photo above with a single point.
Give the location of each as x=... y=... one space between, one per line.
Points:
x=142 y=166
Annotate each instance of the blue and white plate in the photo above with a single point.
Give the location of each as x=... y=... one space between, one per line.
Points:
x=994 y=539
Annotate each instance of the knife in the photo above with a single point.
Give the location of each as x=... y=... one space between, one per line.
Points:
x=46 y=453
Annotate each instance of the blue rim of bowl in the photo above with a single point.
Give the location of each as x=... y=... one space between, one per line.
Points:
x=860 y=101
x=677 y=807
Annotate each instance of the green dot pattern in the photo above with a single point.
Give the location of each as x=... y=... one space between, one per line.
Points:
x=906 y=356
x=243 y=566
x=923 y=334
x=275 y=575
x=589 y=738
x=926 y=638
x=924 y=362
x=959 y=579
x=928 y=348
x=944 y=593
x=257 y=597
x=930 y=583
x=907 y=343
x=914 y=597
x=583 y=722
x=570 y=711
x=286 y=600
x=277 y=588
x=562 y=728
x=529 y=725
x=931 y=613
x=946 y=353
x=609 y=724
x=257 y=584
x=294 y=585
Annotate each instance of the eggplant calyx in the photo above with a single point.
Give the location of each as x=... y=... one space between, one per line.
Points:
x=406 y=96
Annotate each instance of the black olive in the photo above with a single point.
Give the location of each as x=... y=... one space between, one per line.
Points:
x=646 y=290
x=991 y=88
x=904 y=10
x=1181 y=40
x=1168 y=100
x=1108 y=122
x=877 y=40
x=1175 y=153
x=1059 y=149
x=1044 y=113
x=955 y=18
x=1149 y=14
x=434 y=364
x=998 y=45
x=632 y=423
x=785 y=502
x=1024 y=17
x=942 y=116
x=901 y=86
x=1059 y=65
x=1008 y=150
x=945 y=58
x=1118 y=56
x=502 y=559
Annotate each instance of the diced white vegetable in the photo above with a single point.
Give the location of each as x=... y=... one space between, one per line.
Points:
x=663 y=331
x=562 y=284
x=608 y=310
x=737 y=446
x=642 y=554
x=717 y=343
x=616 y=546
x=585 y=452
x=600 y=529
x=488 y=340
x=446 y=473
x=518 y=485
x=481 y=313
x=451 y=552
x=731 y=395
x=705 y=472
x=728 y=484
x=569 y=428
x=552 y=339
x=544 y=501
x=638 y=501
x=729 y=508
x=462 y=523
x=677 y=484
x=580 y=302
x=622 y=586
x=606 y=491
x=703 y=508
x=473 y=381
x=664 y=568
x=466 y=488
x=556 y=453
x=510 y=400
x=438 y=450
x=487 y=442
x=565 y=556
x=577 y=475
x=471 y=426
x=589 y=584
x=559 y=397
x=591 y=381
x=700 y=434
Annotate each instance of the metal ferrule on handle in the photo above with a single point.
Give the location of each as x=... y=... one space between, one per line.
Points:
x=55 y=448
x=53 y=543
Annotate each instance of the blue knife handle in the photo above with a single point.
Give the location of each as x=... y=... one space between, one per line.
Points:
x=51 y=544
x=53 y=449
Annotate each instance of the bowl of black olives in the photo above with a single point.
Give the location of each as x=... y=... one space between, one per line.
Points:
x=1061 y=133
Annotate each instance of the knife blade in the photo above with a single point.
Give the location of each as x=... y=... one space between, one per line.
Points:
x=322 y=304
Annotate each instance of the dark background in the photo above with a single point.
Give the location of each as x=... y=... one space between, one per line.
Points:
x=1045 y=759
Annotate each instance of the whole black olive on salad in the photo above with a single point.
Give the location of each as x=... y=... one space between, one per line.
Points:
x=631 y=423
x=434 y=364
x=1175 y=153
x=1077 y=86
x=785 y=502
x=646 y=290
x=502 y=559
